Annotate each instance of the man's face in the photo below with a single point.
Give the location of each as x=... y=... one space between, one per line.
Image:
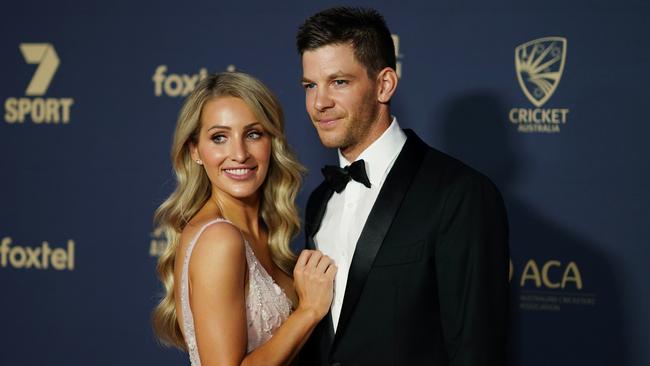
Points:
x=340 y=98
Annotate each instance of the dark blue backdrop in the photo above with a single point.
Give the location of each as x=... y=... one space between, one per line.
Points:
x=88 y=184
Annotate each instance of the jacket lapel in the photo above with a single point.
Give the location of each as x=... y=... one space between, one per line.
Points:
x=379 y=221
x=315 y=211
x=316 y=205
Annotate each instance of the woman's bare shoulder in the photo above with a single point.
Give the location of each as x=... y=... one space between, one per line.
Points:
x=218 y=243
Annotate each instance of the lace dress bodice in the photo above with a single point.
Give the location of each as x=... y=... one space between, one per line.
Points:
x=267 y=306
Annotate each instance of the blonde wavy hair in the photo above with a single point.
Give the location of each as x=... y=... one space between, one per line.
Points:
x=193 y=189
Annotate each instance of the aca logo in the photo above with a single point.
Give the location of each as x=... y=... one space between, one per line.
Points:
x=552 y=274
x=158 y=242
x=34 y=107
x=549 y=285
x=539 y=65
x=398 y=56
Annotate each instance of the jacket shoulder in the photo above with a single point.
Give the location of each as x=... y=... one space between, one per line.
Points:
x=452 y=173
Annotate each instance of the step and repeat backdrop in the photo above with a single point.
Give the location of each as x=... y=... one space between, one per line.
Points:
x=548 y=98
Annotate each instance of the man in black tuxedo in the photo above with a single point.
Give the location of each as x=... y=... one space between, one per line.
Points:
x=419 y=238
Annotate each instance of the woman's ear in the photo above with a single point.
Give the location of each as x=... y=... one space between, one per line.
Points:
x=194 y=153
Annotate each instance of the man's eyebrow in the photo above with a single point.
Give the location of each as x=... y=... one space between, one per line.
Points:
x=229 y=128
x=336 y=75
x=341 y=74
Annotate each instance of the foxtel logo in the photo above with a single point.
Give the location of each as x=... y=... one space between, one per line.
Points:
x=42 y=257
x=175 y=85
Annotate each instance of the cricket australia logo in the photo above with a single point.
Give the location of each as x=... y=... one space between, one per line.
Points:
x=539 y=65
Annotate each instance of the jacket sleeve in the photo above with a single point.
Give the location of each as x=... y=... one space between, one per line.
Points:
x=472 y=262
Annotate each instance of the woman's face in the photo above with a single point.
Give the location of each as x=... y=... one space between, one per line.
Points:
x=233 y=147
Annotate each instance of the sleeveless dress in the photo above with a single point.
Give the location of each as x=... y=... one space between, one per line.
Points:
x=267 y=306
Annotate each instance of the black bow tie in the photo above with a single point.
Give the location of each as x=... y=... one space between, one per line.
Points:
x=337 y=178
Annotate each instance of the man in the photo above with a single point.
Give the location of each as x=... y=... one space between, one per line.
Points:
x=420 y=239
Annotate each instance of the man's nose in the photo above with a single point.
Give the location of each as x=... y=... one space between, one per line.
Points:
x=322 y=100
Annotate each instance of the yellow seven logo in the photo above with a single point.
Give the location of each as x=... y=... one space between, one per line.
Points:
x=45 y=56
x=34 y=106
x=539 y=65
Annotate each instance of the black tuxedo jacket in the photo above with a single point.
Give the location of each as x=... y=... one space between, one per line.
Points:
x=428 y=282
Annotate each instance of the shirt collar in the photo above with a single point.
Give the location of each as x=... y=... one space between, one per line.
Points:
x=380 y=153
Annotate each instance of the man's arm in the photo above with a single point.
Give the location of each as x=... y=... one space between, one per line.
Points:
x=472 y=267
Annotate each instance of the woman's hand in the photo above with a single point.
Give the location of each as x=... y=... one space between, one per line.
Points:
x=313 y=278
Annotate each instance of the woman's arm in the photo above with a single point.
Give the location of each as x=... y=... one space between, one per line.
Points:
x=217 y=273
x=217 y=277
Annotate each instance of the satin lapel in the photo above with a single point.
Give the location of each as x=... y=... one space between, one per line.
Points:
x=379 y=221
x=316 y=206
x=315 y=212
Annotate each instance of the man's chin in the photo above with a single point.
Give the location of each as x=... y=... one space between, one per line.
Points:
x=329 y=141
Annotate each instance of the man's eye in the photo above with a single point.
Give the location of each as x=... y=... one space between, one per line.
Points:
x=340 y=82
x=219 y=138
x=308 y=85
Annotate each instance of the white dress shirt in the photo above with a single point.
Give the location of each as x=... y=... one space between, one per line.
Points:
x=347 y=212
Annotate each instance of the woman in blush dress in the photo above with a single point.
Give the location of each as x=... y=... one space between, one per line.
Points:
x=230 y=297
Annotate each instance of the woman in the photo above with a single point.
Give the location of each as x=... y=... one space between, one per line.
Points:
x=229 y=293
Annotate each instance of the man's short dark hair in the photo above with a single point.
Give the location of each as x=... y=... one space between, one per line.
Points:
x=365 y=29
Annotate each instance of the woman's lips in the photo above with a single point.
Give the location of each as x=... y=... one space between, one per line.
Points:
x=239 y=173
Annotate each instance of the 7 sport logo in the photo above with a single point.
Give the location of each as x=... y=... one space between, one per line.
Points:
x=34 y=107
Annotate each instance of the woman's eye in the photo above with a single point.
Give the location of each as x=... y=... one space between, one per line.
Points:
x=219 y=138
x=255 y=135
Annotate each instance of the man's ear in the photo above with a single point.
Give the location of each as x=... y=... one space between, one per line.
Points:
x=387 y=82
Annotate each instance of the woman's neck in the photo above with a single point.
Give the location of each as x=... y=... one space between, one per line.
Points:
x=242 y=212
